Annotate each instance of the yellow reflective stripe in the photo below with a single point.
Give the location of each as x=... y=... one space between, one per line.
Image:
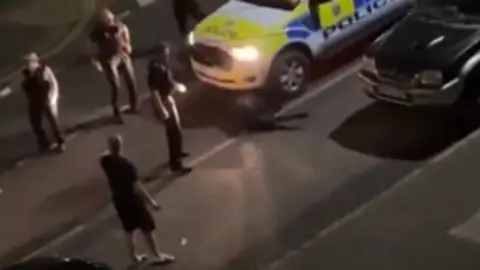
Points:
x=228 y=28
x=220 y=27
x=334 y=11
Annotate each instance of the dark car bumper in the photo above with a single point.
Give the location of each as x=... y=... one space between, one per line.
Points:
x=409 y=95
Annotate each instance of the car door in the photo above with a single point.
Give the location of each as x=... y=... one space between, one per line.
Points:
x=327 y=14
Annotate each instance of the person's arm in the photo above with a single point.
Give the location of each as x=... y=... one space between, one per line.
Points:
x=140 y=188
x=49 y=76
x=157 y=104
x=142 y=191
x=93 y=50
x=125 y=37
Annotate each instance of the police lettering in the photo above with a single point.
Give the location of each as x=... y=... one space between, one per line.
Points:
x=357 y=16
x=228 y=33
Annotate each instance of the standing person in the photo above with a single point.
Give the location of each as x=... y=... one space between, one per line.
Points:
x=111 y=54
x=162 y=84
x=41 y=88
x=129 y=197
x=182 y=9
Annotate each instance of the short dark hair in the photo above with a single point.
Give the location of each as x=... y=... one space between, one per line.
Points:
x=163 y=51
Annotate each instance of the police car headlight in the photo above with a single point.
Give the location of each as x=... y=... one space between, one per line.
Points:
x=433 y=77
x=368 y=63
x=190 y=38
x=248 y=53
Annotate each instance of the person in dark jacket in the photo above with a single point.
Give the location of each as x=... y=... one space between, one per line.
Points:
x=182 y=10
x=129 y=197
x=111 y=54
x=162 y=85
x=41 y=88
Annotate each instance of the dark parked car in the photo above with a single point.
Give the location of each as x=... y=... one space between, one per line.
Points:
x=431 y=57
x=53 y=263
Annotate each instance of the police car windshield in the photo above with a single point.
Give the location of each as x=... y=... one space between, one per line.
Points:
x=287 y=5
x=468 y=7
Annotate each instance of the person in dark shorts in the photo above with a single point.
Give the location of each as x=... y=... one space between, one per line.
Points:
x=111 y=52
x=129 y=198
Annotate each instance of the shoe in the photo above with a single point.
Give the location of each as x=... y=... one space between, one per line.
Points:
x=132 y=110
x=117 y=119
x=61 y=147
x=163 y=258
x=45 y=148
x=182 y=170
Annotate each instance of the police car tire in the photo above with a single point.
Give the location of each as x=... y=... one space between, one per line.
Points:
x=279 y=63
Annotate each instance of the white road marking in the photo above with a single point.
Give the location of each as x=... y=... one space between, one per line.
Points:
x=364 y=207
x=124 y=14
x=5 y=92
x=55 y=242
x=143 y=3
x=315 y=90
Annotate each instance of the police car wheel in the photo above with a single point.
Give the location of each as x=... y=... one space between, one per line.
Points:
x=290 y=72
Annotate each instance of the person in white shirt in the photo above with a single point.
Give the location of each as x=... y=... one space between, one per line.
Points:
x=41 y=88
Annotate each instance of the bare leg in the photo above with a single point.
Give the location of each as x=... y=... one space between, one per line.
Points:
x=132 y=246
x=151 y=243
x=161 y=258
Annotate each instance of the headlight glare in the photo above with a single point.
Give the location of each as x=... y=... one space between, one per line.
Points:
x=190 y=38
x=247 y=53
x=368 y=63
x=431 y=77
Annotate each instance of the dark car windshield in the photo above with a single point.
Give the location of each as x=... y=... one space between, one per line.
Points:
x=466 y=7
x=287 y=5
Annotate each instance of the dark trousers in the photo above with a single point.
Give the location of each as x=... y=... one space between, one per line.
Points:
x=182 y=10
x=114 y=68
x=36 y=113
x=173 y=132
x=313 y=7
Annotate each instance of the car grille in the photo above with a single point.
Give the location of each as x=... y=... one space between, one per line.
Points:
x=397 y=77
x=212 y=56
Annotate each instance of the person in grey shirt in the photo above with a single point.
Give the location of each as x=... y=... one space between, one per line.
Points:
x=111 y=55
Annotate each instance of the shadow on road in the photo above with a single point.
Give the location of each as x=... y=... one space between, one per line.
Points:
x=395 y=132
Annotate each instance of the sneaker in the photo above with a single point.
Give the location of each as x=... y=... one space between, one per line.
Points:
x=182 y=170
x=163 y=258
x=61 y=147
x=118 y=120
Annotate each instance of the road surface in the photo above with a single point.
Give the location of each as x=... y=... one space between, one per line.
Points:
x=84 y=92
x=267 y=193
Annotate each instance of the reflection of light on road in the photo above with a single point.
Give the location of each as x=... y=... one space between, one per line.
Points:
x=5 y=92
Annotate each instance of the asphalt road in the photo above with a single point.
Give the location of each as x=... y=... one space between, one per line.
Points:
x=245 y=205
x=84 y=92
x=269 y=192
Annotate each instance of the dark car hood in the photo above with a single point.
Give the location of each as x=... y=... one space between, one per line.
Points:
x=417 y=44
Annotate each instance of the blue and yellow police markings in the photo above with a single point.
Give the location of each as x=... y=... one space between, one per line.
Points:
x=300 y=28
x=332 y=12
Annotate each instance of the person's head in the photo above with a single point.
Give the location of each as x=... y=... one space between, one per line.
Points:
x=107 y=17
x=115 y=144
x=163 y=52
x=32 y=61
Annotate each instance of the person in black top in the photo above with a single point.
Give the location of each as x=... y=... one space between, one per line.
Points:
x=111 y=54
x=129 y=197
x=162 y=84
x=41 y=88
x=182 y=9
